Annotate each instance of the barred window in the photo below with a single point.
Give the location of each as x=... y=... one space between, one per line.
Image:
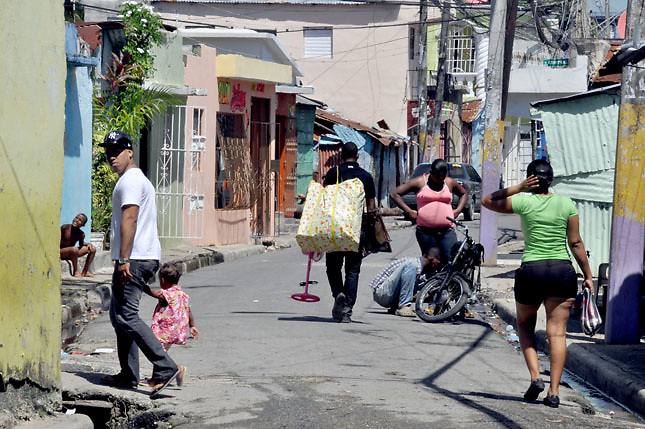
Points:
x=460 y=57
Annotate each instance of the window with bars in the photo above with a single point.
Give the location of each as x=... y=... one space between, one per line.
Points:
x=460 y=57
x=231 y=158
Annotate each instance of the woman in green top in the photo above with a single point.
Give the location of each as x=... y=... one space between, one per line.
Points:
x=546 y=275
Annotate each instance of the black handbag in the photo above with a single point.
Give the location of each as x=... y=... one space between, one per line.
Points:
x=374 y=235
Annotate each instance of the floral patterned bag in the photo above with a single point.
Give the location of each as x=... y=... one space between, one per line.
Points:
x=331 y=217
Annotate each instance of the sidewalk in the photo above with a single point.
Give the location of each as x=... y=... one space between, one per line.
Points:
x=616 y=370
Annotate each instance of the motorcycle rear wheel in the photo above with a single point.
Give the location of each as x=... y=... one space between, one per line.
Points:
x=435 y=304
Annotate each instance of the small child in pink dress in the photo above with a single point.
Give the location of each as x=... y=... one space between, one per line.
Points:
x=172 y=319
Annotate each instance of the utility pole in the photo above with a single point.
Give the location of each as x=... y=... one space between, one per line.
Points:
x=441 y=79
x=628 y=218
x=422 y=90
x=509 y=38
x=607 y=26
x=491 y=148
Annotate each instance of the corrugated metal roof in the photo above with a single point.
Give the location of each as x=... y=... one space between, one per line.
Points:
x=386 y=137
x=347 y=134
x=590 y=93
x=581 y=132
x=470 y=110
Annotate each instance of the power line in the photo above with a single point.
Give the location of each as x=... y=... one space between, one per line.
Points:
x=105 y=9
x=356 y=49
x=358 y=27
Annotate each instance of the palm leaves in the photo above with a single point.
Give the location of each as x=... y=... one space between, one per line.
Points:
x=127 y=106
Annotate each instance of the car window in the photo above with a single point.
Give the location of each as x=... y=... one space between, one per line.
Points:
x=474 y=176
x=456 y=171
x=420 y=170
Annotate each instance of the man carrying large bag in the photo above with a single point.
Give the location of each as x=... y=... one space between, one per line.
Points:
x=344 y=292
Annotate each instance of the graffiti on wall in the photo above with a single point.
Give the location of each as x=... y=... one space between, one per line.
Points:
x=238 y=99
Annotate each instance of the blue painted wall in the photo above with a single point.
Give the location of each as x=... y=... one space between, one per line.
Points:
x=77 y=173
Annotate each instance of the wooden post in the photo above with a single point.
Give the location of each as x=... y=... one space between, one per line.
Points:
x=422 y=88
x=628 y=219
x=491 y=148
x=441 y=80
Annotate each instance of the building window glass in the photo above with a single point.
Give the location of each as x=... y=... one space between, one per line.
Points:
x=198 y=140
x=318 y=43
x=461 y=50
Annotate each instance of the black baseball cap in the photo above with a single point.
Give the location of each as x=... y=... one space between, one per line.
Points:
x=116 y=139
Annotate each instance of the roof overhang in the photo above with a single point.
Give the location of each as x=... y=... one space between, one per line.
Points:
x=175 y=90
x=385 y=137
x=245 y=68
x=226 y=40
x=294 y=89
x=537 y=104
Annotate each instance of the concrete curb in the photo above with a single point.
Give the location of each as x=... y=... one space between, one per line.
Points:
x=607 y=376
x=604 y=374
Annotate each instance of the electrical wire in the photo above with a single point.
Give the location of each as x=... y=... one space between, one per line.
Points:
x=358 y=27
x=355 y=49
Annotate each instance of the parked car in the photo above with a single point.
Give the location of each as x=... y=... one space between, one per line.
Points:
x=466 y=175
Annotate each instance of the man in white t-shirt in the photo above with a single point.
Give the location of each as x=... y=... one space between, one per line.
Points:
x=136 y=251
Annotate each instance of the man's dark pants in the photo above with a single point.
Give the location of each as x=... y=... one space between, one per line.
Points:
x=132 y=333
x=349 y=287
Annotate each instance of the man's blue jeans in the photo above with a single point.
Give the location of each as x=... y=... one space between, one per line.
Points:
x=406 y=285
x=399 y=287
x=132 y=333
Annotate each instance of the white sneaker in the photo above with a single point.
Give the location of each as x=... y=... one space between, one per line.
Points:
x=405 y=311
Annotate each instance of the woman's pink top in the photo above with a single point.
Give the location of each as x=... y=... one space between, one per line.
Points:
x=433 y=206
x=170 y=323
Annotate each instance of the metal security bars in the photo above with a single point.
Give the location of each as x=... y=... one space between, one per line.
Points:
x=180 y=173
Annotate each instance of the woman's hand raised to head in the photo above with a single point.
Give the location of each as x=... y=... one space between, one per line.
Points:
x=529 y=184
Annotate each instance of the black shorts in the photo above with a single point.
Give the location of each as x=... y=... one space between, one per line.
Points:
x=537 y=280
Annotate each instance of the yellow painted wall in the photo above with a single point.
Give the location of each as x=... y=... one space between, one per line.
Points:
x=33 y=70
x=239 y=67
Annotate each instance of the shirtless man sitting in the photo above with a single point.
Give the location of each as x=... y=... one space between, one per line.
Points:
x=70 y=234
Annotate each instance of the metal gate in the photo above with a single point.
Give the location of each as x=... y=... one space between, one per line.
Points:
x=179 y=173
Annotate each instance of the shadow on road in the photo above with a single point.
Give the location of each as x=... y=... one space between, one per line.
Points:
x=461 y=398
x=309 y=319
x=507 y=234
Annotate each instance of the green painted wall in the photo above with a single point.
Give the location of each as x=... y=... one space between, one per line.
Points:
x=169 y=60
x=305 y=125
x=432 y=43
x=33 y=70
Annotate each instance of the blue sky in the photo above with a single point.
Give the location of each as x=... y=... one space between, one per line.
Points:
x=614 y=5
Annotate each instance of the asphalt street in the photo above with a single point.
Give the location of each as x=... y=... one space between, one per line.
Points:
x=265 y=360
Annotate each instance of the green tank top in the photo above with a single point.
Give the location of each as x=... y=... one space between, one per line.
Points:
x=544 y=224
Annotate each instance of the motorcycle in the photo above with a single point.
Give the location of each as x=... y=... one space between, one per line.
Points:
x=446 y=292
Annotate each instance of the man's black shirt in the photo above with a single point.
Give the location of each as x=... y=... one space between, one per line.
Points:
x=350 y=170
